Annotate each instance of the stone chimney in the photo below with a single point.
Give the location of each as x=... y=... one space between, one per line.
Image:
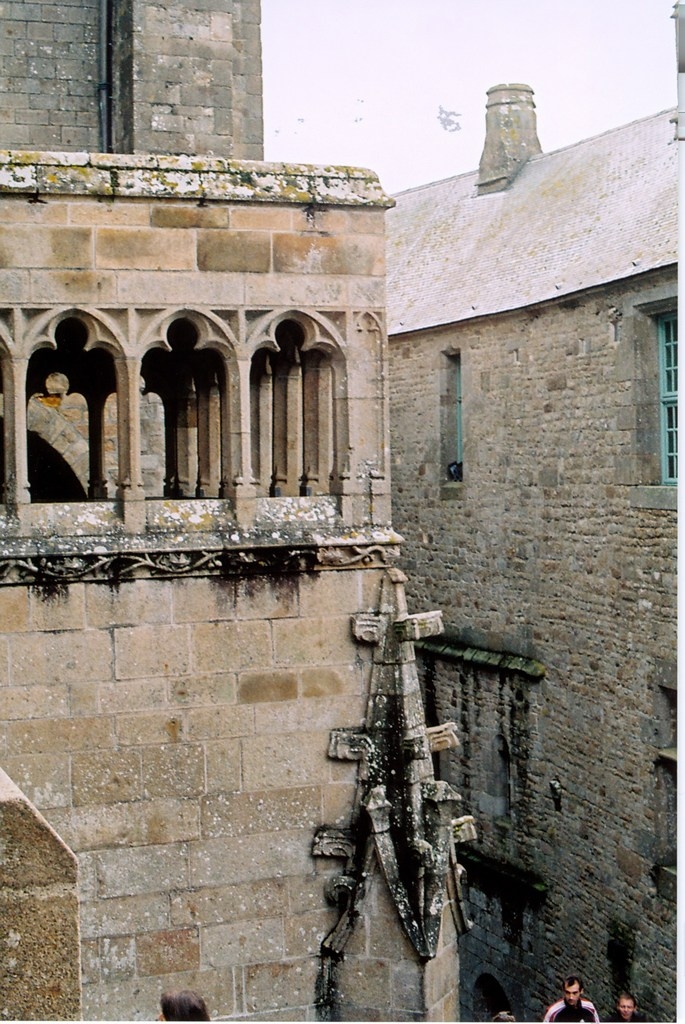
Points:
x=511 y=136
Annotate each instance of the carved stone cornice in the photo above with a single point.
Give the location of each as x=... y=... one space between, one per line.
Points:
x=57 y=569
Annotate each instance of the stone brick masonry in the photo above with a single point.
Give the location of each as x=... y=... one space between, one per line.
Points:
x=173 y=78
x=558 y=547
x=171 y=733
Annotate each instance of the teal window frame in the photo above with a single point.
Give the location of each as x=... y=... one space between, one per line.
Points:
x=668 y=394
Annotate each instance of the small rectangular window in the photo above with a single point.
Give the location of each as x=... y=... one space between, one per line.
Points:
x=454 y=437
x=668 y=360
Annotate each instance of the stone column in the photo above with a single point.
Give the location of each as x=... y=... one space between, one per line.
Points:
x=239 y=481
x=17 y=491
x=129 y=485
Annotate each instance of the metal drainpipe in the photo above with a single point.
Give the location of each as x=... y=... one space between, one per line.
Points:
x=105 y=85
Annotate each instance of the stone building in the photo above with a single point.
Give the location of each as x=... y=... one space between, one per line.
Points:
x=533 y=363
x=209 y=694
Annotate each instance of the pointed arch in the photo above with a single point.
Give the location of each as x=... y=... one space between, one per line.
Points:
x=69 y=378
x=102 y=330
x=190 y=364
x=298 y=407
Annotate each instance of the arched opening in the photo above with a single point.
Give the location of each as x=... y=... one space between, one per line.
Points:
x=71 y=425
x=52 y=478
x=292 y=416
x=191 y=385
x=489 y=998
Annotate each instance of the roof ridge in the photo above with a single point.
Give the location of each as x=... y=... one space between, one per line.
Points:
x=540 y=156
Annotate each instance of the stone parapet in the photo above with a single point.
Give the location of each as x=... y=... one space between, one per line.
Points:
x=158 y=176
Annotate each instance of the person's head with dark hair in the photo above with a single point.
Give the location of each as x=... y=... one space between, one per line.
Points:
x=572 y=1005
x=183 y=1005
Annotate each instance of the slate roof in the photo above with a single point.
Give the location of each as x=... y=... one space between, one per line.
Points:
x=598 y=211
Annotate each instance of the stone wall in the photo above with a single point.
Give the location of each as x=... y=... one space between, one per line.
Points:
x=557 y=550
x=169 y=78
x=175 y=735
x=39 y=918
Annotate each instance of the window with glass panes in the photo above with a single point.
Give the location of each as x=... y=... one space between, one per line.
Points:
x=668 y=358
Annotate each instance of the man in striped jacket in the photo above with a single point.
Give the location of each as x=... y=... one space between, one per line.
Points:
x=573 y=1007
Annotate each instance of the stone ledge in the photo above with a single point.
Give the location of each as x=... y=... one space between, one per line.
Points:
x=149 y=176
x=503 y=880
x=658 y=497
x=452 y=650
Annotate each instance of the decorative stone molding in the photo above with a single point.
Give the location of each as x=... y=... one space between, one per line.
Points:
x=356 y=555
x=330 y=841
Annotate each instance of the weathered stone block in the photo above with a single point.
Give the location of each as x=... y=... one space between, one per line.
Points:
x=47 y=247
x=174 y=771
x=274 y=762
x=144 y=249
x=48 y=736
x=250 y=858
x=234 y=814
x=234 y=251
x=223 y=765
x=168 y=951
x=265 y=898
x=323 y=682
x=272 y=986
x=294 y=290
x=151 y=651
x=44 y=779
x=260 y=218
x=194 y=690
x=178 y=288
x=365 y=981
x=156 y=822
x=309 y=254
x=21 y=702
x=222 y=722
x=295 y=717
x=117 y=958
x=110 y=212
x=407 y=986
x=328 y=593
x=228 y=646
x=204 y=600
x=14 y=609
x=149 y=727
x=140 y=870
x=257 y=687
x=128 y=605
x=131 y=695
x=304 y=932
x=323 y=641
x=266 y=598
x=67 y=657
x=106 y=777
x=187 y=216
x=243 y=942
x=125 y=915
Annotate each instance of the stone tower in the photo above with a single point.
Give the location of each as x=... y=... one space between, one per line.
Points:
x=204 y=633
x=128 y=76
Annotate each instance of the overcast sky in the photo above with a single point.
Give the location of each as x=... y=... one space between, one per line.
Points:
x=363 y=82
